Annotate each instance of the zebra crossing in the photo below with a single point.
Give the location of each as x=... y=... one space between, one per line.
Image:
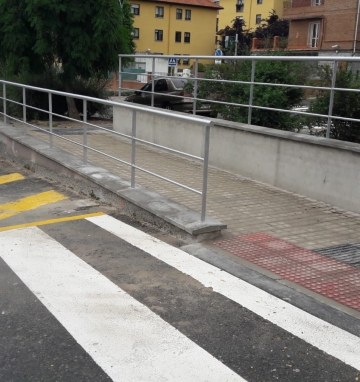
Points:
x=137 y=309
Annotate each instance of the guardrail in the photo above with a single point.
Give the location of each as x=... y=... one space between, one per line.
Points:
x=333 y=60
x=85 y=124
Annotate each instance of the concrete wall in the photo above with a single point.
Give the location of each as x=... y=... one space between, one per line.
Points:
x=326 y=170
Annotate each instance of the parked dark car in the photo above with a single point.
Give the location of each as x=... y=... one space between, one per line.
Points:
x=168 y=94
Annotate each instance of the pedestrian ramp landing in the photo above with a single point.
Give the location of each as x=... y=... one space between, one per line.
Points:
x=244 y=206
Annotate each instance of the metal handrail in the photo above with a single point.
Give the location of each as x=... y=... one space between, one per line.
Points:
x=334 y=60
x=207 y=123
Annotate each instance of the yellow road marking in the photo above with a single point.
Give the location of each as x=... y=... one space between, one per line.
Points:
x=52 y=221
x=29 y=203
x=10 y=178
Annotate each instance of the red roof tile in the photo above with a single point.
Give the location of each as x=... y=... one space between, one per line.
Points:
x=194 y=3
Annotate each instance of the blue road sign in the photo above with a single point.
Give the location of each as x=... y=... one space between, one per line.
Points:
x=172 y=61
x=218 y=52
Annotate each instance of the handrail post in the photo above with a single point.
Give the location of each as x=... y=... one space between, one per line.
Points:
x=4 y=103
x=251 y=96
x=133 y=148
x=152 y=81
x=331 y=104
x=85 y=131
x=50 y=121
x=205 y=172
x=24 y=107
x=120 y=76
x=195 y=84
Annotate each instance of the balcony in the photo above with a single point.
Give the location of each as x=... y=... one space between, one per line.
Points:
x=302 y=43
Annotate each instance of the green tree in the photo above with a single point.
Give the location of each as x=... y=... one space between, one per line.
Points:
x=238 y=28
x=269 y=71
x=82 y=38
x=272 y=26
x=346 y=104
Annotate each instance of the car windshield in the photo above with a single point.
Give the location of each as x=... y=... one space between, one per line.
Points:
x=147 y=87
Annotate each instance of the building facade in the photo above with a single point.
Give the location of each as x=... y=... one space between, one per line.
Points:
x=327 y=27
x=175 y=27
x=251 y=11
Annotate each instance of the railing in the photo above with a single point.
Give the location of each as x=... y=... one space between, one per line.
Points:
x=333 y=63
x=85 y=124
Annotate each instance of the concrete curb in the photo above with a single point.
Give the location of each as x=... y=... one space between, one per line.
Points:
x=97 y=182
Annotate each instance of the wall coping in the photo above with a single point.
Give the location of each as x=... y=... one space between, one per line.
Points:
x=289 y=135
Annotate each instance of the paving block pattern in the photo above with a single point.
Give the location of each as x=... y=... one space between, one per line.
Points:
x=328 y=277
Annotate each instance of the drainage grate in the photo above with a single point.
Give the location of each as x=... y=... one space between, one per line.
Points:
x=347 y=253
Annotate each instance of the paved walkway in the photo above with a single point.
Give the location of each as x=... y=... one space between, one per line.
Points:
x=286 y=234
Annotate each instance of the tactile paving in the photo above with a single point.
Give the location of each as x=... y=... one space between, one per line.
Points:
x=324 y=275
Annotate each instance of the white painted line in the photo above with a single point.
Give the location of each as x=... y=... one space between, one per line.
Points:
x=125 y=338
x=328 y=338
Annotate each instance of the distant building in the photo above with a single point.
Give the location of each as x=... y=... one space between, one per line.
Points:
x=175 y=27
x=327 y=27
x=251 y=11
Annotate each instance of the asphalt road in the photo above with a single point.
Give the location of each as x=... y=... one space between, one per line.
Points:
x=89 y=295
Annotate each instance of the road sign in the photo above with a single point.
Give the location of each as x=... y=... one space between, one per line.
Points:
x=172 y=61
x=218 y=52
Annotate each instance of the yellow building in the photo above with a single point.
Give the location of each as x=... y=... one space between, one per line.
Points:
x=251 y=11
x=185 y=27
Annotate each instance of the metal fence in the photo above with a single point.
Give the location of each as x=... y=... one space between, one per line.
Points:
x=205 y=123
x=333 y=61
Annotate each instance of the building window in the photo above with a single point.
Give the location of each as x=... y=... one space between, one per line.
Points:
x=217 y=24
x=177 y=36
x=159 y=11
x=158 y=35
x=258 y=19
x=314 y=29
x=259 y=2
x=315 y=2
x=135 y=9
x=240 y=6
x=178 y=14
x=136 y=33
x=186 y=61
x=186 y=36
x=187 y=14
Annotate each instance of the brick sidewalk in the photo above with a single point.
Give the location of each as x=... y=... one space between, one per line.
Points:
x=287 y=220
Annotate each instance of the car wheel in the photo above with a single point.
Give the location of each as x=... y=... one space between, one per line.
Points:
x=167 y=106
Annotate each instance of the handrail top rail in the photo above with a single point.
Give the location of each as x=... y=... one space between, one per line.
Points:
x=204 y=121
x=248 y=58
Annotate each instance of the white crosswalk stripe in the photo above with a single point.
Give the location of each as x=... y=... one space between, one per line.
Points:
x=328 y=338
x=125 y=338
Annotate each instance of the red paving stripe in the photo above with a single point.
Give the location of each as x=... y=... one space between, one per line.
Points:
x=328 y=277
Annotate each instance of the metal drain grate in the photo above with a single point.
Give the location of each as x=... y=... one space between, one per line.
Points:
x=347 y=253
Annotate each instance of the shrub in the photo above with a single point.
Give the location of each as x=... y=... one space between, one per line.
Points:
x=269 y=71
x=346 y=104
